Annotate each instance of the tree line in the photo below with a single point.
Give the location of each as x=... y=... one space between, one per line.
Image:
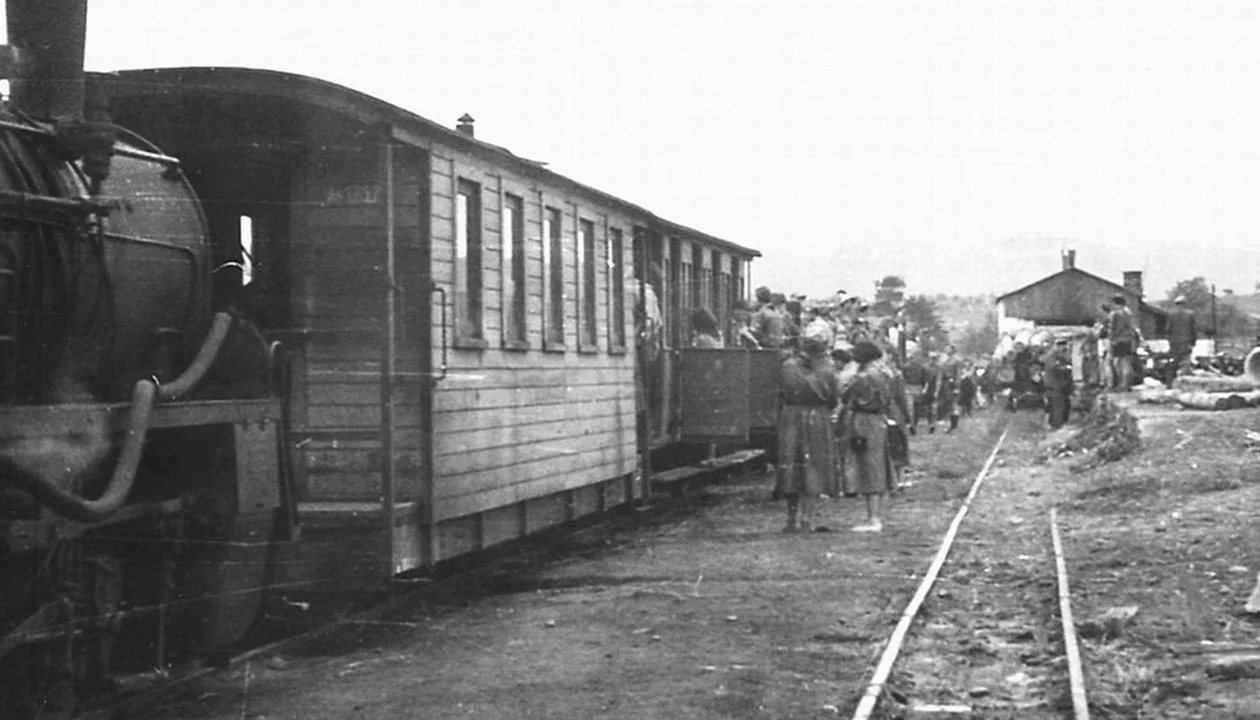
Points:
x=924 y=319
x=1213 y=314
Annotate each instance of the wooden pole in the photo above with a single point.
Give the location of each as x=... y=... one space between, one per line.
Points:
x=876 y=686
x=1080 y=705
x=1216 y=343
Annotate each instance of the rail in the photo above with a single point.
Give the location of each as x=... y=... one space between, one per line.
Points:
x=876 y=686
x=1080 y=705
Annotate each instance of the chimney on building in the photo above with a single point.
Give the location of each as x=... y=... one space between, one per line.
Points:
x=1133 y=282
x=466 y=124
x=1069 y=259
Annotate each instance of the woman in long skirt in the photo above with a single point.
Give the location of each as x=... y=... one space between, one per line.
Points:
x=868 y=469
x=808 y=391
x=898 y=412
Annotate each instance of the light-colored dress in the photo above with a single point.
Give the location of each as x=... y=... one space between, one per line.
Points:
x=869 y=471
x=706 y=342
x=808 y=393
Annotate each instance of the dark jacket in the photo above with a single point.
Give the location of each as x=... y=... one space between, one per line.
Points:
x=1181 y=330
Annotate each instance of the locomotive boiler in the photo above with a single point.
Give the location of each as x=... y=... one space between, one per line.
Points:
x=138 y=427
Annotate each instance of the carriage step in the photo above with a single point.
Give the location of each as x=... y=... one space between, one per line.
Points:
x=677 y=480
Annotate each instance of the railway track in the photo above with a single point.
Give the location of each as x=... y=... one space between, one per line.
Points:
x=495 y=571
x=956 y=642
x=708 y=607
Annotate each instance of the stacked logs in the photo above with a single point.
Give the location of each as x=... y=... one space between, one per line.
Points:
x=1205 y=392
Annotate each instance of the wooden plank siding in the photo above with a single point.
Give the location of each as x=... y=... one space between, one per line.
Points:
x=338 y=259
x=513 y=438
x=512 y=425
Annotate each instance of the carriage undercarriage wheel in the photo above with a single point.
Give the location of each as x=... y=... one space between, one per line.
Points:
x=82 y=595
x=103 y=582
x=23 y=698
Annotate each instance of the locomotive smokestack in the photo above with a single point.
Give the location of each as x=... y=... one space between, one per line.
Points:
x=50 y=36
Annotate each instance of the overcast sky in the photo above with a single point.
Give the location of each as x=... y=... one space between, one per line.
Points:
x=961 y=144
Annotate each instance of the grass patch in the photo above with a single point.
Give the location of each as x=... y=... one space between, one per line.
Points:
x=1133 y=487
x=1108 y=434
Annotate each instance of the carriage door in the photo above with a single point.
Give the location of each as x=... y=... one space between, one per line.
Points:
x=714 y=393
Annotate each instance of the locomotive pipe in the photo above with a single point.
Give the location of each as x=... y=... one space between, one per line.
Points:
x=143 y=396
x=202 y=362
x=71 y=506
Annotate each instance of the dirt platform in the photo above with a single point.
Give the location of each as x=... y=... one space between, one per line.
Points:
x=701 y=608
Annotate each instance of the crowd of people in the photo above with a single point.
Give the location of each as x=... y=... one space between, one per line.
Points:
x=1041 y=365
x=853 y=389
x=849 y=400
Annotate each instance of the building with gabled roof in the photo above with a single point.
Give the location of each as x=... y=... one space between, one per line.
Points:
x=1074 y=297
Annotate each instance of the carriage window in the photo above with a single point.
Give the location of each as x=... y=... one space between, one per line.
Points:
x=553 y=273
x=674 y=297
x=720 y=286
x=468 y=281
x=715 y=282
x=616 y=289
x=513 y=270
x=700 y=287
x=586 y=283
x=247 y=250
x=685 y=291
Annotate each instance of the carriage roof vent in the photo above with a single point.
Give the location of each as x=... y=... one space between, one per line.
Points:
x=465 y=124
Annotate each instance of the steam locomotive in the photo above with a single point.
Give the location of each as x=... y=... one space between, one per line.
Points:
x=320 y=343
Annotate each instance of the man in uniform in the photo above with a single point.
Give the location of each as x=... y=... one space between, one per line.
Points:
x=1182 y=333
x=1058 y=383
x=1122 y=329
x=931 y=389
x=947 y=389
x=1102 y=330
x=771 y=323
x=915 y=373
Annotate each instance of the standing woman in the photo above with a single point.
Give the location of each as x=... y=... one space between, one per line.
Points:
x=808 y=392
x=867 y=466
x=893 y=386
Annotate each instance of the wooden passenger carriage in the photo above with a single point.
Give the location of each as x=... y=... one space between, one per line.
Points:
x=460 y=320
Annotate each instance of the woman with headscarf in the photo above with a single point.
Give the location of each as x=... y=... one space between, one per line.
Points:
x=868 y=469
x=808 y=392
x=705 y=333
x=741 y=327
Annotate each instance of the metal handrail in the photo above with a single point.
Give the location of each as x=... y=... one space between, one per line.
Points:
x=441 y=290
